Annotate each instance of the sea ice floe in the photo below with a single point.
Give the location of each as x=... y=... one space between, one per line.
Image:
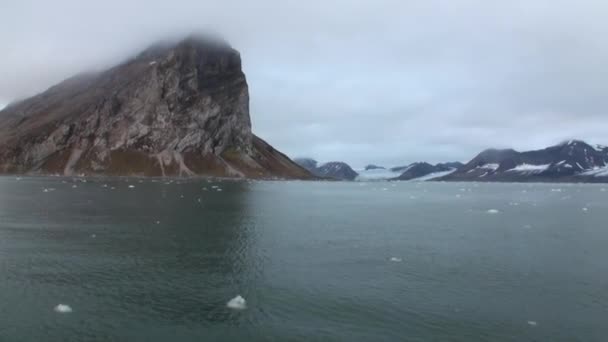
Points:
x=131 y=186
x=556 y=190
x=63 y=308
x=493 y=211
x=585 y=209
x=395 y=259
x=532 y=323
x=237 y=303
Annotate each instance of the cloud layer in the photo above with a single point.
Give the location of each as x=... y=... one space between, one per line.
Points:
x=383 y=81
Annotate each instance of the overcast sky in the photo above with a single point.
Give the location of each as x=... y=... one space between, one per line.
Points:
x=362 y=81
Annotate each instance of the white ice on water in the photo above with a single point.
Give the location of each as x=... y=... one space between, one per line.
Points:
x=131 y=186
x=395 y=259
x=493 y=211
x=237 y=303
x=63 y=308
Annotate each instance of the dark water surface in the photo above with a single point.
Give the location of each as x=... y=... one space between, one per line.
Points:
x=315 y=261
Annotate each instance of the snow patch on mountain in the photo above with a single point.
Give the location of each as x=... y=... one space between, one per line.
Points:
x=530 y=168
x=376 y=174
x=433 y=175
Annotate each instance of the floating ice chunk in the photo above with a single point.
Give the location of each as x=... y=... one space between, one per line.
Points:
x=45 y=190
x=63 y=308
x=585 y=209
x=218 y=189
x=493 y=211
x=532 y=323
x=93 y=236
x=458 y=195
x=157 y=222
x=556 y=190
x=384 y=189
x=74 y=186
x=237 y=303
x=131 y=186
x=152 y=63
x=214 y=186
x=395 y=259
x=18 y=178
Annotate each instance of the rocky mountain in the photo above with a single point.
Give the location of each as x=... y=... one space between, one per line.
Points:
x=175 y=109
x=374 y=167
x=571 y=161
x=425 y=171
x=331 y=170
x=308 y=164
x=336 y=170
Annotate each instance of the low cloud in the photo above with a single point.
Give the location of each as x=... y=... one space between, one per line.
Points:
x=386 y=81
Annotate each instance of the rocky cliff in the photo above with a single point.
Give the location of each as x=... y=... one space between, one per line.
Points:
x=175 y=109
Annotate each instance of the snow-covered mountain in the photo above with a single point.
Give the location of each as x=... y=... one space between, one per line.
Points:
x=572 y=161
x=334 y=170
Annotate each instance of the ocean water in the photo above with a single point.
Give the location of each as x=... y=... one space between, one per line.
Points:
x=158 y=260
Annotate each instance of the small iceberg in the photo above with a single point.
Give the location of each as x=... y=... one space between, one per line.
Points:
x=532 y=323
x=493 y=211
x=237 y=303
x=63 y=308
x=395 y=259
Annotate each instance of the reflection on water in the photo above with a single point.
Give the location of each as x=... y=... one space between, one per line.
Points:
x=327 y=261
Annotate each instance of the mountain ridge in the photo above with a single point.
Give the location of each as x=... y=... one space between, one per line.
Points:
x=175 y=109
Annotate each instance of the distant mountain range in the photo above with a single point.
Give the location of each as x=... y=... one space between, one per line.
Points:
x=331 y=170
x=571 y=161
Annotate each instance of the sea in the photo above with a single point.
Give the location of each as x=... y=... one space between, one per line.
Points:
x=136 y=259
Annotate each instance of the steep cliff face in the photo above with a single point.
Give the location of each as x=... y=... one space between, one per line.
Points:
x=175 y=109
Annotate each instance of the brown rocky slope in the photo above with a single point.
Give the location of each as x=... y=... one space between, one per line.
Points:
x=177 y=109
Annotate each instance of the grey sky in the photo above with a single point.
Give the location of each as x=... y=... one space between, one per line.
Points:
x=363 y=81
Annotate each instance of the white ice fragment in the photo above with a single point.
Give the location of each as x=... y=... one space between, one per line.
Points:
x=63 y=308
x=74 y=186
x=152 y=63
x=395 y=259
x=157 y=222
x=131 y=186
x=532 y=323
x=237 y=303
x=493 y=211
x=585 y=209
x=93 y=236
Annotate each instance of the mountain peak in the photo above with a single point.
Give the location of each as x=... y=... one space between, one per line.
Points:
x=177 y=109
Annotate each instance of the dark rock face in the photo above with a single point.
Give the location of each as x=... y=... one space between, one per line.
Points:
x=336 y=170
x=374 y=167
x=331 y=170
x=417 y=170
x=572 y=161
x=307 y=163
x=175 y=109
